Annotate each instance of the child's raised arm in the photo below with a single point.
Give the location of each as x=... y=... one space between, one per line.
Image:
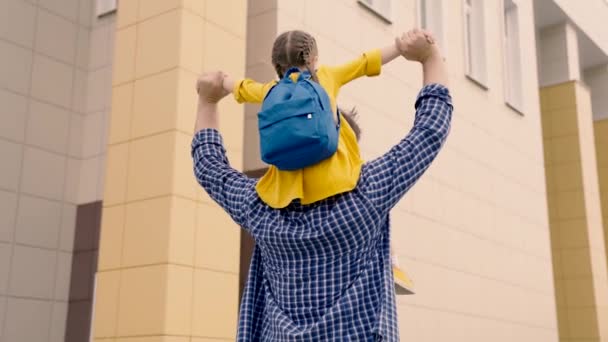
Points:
x=247 y=90
x=389 y=53
x=368 y=64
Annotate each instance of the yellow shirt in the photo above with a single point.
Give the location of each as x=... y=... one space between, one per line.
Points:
x=334 y=175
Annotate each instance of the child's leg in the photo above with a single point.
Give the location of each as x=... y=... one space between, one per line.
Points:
x=394 y=259
x=403 y=285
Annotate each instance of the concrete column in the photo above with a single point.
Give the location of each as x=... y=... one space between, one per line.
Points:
x=577 y=236
x=262 y=29
x=168 y=264
x=559 y=54
x=597 y=80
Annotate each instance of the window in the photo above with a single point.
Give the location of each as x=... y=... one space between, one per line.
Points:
x=512 y=56
x=430 y=17
x=381 y=8
x=105 y=7
x=474 y=41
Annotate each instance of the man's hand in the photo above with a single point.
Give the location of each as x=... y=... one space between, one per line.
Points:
x=209 y=87
x=416 y=45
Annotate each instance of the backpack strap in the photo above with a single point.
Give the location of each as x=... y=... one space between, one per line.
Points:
x=287 y=76
x=304 y=75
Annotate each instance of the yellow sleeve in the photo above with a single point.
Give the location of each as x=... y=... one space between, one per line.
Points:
x=368 y=64
x=248 y=90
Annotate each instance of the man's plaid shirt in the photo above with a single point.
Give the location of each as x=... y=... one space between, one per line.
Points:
x=322 y=272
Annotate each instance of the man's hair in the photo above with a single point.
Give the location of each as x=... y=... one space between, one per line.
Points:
x=351 y=117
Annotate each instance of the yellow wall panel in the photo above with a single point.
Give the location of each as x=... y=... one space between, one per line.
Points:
x=158 y=46
x=111 y=238
x=215 y=304
x=116 y=174
x=124 y=55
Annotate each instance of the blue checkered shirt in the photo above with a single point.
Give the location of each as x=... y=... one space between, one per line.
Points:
x=322 y=272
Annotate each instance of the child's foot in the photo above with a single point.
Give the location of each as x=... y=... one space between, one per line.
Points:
x=403 y=284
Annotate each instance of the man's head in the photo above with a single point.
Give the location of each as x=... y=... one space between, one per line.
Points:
x=351 y=117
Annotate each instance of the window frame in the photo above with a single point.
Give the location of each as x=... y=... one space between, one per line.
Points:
x=468 y=22
x=508 y=68
x=384 y=14
x=105 y=7
x=440 y=35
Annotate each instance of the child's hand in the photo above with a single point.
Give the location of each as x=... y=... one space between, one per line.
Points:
x=209 y=87
x=416 y=45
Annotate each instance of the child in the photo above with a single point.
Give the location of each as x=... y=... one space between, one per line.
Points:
x=340 y=172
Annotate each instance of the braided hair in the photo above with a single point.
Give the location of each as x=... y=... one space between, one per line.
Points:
x=294 y=49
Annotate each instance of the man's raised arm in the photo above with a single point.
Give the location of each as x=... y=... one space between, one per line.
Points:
x=226 y=186
x=386 y=179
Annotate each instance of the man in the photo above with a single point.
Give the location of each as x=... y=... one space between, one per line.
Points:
x=322 y=272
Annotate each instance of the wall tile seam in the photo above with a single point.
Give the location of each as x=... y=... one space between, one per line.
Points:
x=53 y=152
x=35 y=52
x=30 y=98
x=155 y=134
x=103 y=190
x=506 y=143
x=492 y=169
x=264 y=12
x=41 y=197
x=223 y=28
x=445 y=225
x=197 y=199
x=576 y=276
x=497 y=171
x=563 y=163
x=84 y=158
x=405 y=305
x=142 y=336
x=193 y=268
x=159 y=133
x=156 y=73
x=43 y=248
x=37 y=299
x=521 y=286
x=493 y=204
x=561 y=136
x=138 y=21
x=62 y=16
x=60 y=250
x=541 y=227
x=574 y=306
x=179 y=9
x=99 y=67
x=490 y=199
x=20 y=178
x=561 y=84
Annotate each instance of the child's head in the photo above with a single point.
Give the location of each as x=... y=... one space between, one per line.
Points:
x=295 y=49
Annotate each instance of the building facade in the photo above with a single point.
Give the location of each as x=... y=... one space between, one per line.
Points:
x=105 y=235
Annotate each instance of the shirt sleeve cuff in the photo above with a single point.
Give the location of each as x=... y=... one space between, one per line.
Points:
x=434 y=90
x=208 y=141
x=374 y=62
x=236 y=91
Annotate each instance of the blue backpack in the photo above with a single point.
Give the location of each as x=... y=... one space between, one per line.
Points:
x=296 y=123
